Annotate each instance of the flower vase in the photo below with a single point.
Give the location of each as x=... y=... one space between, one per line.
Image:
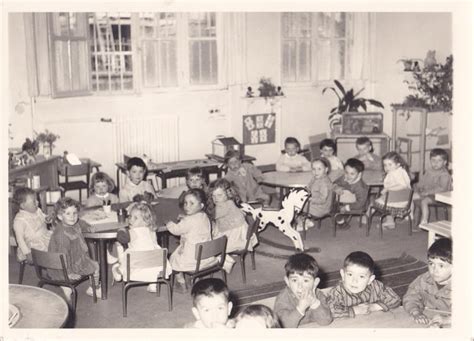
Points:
x=47 y=150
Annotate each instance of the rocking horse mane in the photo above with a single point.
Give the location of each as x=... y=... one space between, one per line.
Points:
x=294 y=194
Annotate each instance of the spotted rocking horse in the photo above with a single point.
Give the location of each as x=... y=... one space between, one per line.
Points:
x=292 y=203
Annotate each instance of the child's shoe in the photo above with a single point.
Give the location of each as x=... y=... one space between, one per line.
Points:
x=67 y=293
x=228 y=264
x=111 y=259
x=98 y=292
x=151 y=288
x=116 y=272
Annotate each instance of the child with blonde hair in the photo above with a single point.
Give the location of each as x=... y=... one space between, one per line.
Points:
x=291 y=161
x=101 y=188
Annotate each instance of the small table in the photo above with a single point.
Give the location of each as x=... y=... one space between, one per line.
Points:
x=39 y=308
x=220 y=159
x=442 y=228
x=444 y=197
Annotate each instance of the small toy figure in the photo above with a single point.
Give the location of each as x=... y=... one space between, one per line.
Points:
x=279 y=92
x=249 y=92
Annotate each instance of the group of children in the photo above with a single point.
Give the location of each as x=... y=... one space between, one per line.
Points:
x=427 y=300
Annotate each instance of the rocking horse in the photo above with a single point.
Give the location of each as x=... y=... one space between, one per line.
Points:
x=292 y=203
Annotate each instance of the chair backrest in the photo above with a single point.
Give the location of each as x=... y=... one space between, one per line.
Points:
x=146 y=260
x=212 y=248
x=78 y=170
x=49 y=260
x=334 y=203
x=398 y=196
x=252 y=229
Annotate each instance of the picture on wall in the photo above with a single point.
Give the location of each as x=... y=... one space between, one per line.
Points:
x=259 y=129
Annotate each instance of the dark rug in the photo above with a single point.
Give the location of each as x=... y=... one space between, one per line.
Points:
x=396 y=273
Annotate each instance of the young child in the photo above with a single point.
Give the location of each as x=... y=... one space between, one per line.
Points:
x=328 y=150
x=245 y=177
x=396 y=179
x=301 y=302
x=135 y=183
x=321 y=192
x=366 y=154
x=359 y=293
x=352 y=190
x=229 y=219
x=432 y=290
x=142 y=238
x=256 y=316
x=435 y=180
x=195 y=179
x=211 y=305
x=291 y=161
x=67 y=238
x=194 y=227
x=101 y=188
x=29 y=225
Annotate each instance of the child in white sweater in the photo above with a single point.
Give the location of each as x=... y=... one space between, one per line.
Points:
x=291 y=161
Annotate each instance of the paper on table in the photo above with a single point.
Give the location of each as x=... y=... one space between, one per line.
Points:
x=99 y=217
x=73 y=159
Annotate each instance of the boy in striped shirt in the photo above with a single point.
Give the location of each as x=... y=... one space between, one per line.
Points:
x=359 y=293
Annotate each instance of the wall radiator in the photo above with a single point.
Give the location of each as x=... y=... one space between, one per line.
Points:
x=156 y=136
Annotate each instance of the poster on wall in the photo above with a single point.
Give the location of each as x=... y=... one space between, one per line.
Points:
x=258 y=129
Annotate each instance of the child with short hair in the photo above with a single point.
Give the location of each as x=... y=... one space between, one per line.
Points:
x=328 y=150
x=193 y=228
x=101 y=188
x=359 y=293
x=245 y=177
x=435 y=180
x=67 y=238
x=366 y=154
x=291 y=161
x=256 y=316
x=432 y=290
x=30 y=224
x=211 y=305
x=301 y=302
x=135 y=182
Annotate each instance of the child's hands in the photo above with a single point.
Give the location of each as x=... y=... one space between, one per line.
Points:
x=29 y=259
x=170 y=224
x=420 y=318
x=338 y=190
x=305 y=301
x=439 y=320
x=362 y=309
x=375 y=307
x=74 y=277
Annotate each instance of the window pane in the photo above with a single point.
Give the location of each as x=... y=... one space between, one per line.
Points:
x=77 y=24
x=168 y=63
x=61 y=58
x=167 y=25
x=60 y=24
x=304 y=58
x=203 y=62
x=323 y=24
x=324 y=60
x=150 y=71
x=339 y=59
x=340 y=25
x=289 y=61
x=305 y=25
x=79 y=65
x=147 y=25
x=202 y=25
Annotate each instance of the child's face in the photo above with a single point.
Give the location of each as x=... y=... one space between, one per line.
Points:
x=437 y=162
x=101 y=188
x=219 y=195
x=351 y=173
x=30 y=204
x=251 y=322
x=363 y=149
x=319 y=169
x=192 y=205
x=213 y=311
x=291 y=149
x=300 y=284
x=390 y=165
x=195 y=181
x=327 y=151
x=234 y=164
x=69 y=216
x=135 y=219
x=439 y=270
x=136 y=174
x=356 y=278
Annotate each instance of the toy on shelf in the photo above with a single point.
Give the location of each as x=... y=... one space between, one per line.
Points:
x=221 y=145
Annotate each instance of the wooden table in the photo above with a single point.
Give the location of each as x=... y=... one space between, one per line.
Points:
x=166 y=210
x=220 y=159
x=444 y=197
x=441 y=228
x=39 y=308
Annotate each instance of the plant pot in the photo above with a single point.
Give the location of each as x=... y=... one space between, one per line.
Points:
x=47 y=150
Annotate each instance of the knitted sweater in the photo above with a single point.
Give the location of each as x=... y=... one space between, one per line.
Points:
x=359 y=189
x=129 y=190
x=246 y=180
x=374 y=164
x=435 y=181
x=286 y=162
x=321 y=196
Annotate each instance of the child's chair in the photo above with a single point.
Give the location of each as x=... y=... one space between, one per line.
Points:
x=360 y=213
x=84 y=169
x=57 y=261
x=14 y=245
x=306 y=215
x=141 y=260
x=397 y=213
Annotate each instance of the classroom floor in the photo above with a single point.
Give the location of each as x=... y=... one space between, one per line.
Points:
x=148 y=311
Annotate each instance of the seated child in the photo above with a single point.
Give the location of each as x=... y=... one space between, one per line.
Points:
x=328 y=150
x=432 y=290
x=245 y=177
x=142 y=238
x=211 y=305
x=256 y=316
x=301 y=302
x=435 y=180
x=229 y=219
x=29 y=225
x=135 y=182
x=366 y=154
x=195 y=179
x=101 y=188
x=320 y=187
x=194 y=227
x=291 y=161
x=67 y=238
x=359 y=293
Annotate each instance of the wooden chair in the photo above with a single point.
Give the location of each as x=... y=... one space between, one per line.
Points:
x=360 y=213
x=213 y=248
x=442 y=206
x=252 y=230
x=84 y=169
x=397 y=213
x=141 y=260
x=14 y=245
x=306 y=215
x=57 y=261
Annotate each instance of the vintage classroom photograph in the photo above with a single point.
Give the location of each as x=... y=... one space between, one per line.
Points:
x=271 y=165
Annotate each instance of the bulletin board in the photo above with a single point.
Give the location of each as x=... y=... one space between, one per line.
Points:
x=258 y=129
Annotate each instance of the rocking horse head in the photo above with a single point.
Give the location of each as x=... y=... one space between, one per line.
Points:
x=296 y=199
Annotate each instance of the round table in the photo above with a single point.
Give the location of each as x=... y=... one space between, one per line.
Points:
x=39 y=308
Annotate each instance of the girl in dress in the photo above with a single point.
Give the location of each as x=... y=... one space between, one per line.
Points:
x=229 y=219
x=193 y=228
x=101 y=190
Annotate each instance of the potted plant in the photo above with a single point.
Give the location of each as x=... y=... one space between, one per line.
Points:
x=348 y=101
x=47 y=139
x=267 y=88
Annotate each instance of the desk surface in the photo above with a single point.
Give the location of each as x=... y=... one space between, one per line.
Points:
x=175 y=165
x=442 y=227
x=220 y=159
x=39 y=308
x=444 y=197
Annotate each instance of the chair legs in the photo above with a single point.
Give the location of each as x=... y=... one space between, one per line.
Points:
x=125 y=288
x=242 y=268
x=252 y=254
x=22 y=271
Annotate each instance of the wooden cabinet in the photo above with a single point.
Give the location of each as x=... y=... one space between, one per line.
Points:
x=47 y=170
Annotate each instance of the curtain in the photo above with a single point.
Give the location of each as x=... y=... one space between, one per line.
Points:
x=361 y=47
x=234 y=48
